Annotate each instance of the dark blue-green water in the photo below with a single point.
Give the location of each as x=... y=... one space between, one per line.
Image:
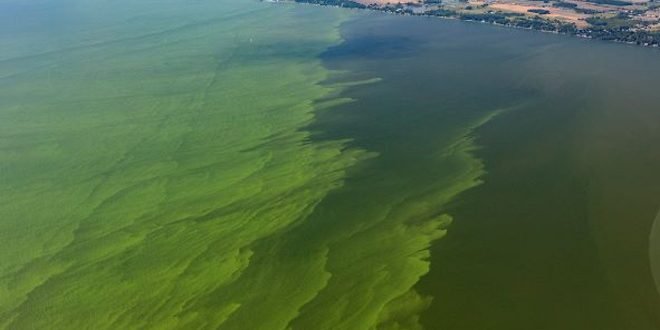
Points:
x=557 y=236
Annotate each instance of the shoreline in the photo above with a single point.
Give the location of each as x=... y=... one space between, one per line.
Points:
x=504 y=19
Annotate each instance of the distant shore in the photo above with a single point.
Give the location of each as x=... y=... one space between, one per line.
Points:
x=609 y=23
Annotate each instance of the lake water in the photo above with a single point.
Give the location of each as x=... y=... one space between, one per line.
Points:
x=247 y=165
x=557 y=236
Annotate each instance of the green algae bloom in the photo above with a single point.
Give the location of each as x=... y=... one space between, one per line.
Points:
x=157 y=171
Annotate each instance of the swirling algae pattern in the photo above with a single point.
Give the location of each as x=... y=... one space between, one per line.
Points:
x=156 y=173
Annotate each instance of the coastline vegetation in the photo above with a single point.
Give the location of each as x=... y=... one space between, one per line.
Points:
x=336 y=3
x=539 y=11
x=611 y=2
